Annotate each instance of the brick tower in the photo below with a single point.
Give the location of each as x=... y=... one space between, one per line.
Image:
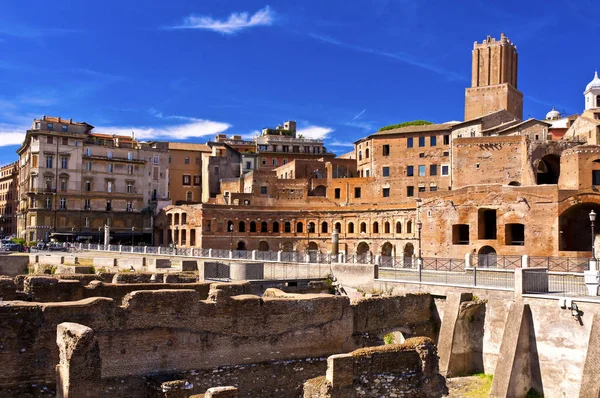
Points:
x=494 y=79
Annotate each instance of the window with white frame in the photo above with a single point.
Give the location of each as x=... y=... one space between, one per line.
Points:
x=445 y=170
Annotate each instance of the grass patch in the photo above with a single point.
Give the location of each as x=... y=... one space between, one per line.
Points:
x=480 y=388
x=405 y=124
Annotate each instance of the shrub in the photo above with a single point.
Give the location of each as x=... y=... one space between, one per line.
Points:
x=405 y=124
x=389 y=338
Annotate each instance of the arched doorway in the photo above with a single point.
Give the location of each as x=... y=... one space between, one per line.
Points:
x=486 y=257
x=409 y=251
x=386 y=249
x=312 y=246
x=320 y=190
x=548 y=170
x=575 y=227
x=362 y=251
x=362 y=248
x=263 y=246
x=287 y=247
x=241 y=245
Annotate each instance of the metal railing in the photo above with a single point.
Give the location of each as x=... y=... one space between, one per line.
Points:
x=481 y=262
x=554 y=283
x=560 y=264
x=469 y=277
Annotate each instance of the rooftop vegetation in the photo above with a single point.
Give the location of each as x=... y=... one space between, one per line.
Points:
x=405 y=124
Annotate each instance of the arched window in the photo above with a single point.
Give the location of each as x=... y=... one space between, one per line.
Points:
x=409 y=227
x=338 y=227
x=252 y=226
x=242 y=226
x=363 y=227
x=287 y=227
x=350 y=227
x=375 y=227
x=263 y=226
x=299 y=227
x=169 y=218
x=229 y=226
x=311 y=227
x=367 y=153
x=324 y=227
x=176 y=218
x=598 y=101
x=275 y=226
x=386 y=227
x=359 y=155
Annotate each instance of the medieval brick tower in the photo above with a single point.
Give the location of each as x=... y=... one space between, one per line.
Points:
x=494 y=80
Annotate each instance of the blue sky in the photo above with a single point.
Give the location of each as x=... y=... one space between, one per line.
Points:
x=186 y=70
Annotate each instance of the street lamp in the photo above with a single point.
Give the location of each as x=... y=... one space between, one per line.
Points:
x=99 y=232
x=132 y=231
x=231 y=236
x=592 y=219
x=419 y=228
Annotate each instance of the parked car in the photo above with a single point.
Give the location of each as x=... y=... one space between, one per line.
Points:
x=56 y=247
x=13 y=247
x=41 y=246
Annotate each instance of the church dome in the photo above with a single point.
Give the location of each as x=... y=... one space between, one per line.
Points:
x=595 y=83
x=553 y=114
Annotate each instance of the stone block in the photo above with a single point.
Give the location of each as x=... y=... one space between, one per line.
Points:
x=189 y=265
x=158 y=263
x=13 y=265
x=105 y=262
x=246 y=271
x=446 y=339
x=73 y=269
x=80 y=366
x=221 y=392
x=137 y=263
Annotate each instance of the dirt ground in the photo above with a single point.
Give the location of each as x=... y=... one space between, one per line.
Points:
x=477 y=386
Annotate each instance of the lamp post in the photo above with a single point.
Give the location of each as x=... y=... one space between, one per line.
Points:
x=176 y=240
x=99 y=232
x=592 y=219
x=419 y=259
x=231 y=237
x=592 y=276
x=132 y=232
x=308 y=230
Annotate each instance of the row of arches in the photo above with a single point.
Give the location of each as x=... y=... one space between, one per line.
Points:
x=363 y=248
x=350 y=227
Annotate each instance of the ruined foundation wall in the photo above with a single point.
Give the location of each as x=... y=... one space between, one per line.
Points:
x=169 y=331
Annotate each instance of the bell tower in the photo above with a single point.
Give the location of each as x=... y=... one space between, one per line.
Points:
x=494 y=79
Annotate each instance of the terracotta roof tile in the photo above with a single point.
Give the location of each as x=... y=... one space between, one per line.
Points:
x=187 y=146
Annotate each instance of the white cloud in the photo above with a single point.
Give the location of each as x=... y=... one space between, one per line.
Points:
x=11 y=135
x=314 y=132
x=339 y=143
x=235 y=23
x=194 y=129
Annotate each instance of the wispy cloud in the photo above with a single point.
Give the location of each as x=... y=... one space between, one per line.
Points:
x=358 y=115
x=314 y=132
x=340 y=144
x=30 y=32
x=399 y=56
x=236 y=22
